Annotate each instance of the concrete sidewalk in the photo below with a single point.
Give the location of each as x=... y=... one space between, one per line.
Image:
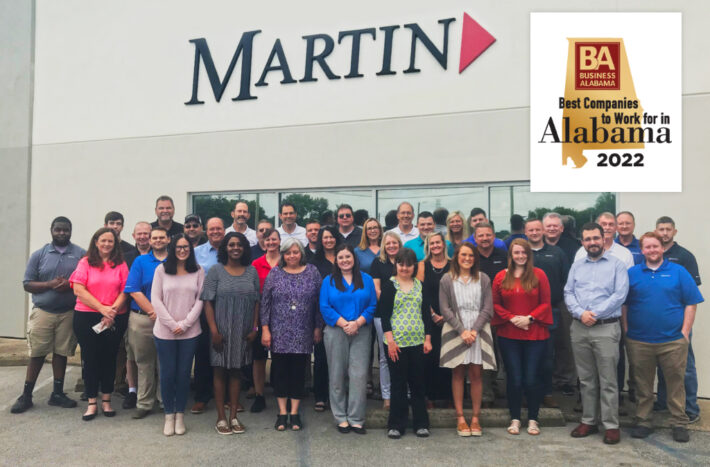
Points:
x=13 y=352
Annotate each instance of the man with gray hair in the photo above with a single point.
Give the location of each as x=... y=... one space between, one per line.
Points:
x=405 y=229
x=554 y=235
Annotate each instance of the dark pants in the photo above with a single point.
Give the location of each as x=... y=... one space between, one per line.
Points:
x=523 y=366
x=438 y=380
x=548 y=367
x=288 y=374
x=408 y=370
x=98 y=350
x=175 y=358
x=320 y=373
x=203 y=369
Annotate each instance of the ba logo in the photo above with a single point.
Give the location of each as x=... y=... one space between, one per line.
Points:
x=597 y=65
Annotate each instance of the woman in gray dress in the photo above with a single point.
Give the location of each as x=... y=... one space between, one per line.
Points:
x=231 y=296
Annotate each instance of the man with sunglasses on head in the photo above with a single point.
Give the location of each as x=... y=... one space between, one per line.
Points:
x=347 y=230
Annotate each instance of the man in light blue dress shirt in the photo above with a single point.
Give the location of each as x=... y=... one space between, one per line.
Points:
x=596 y=288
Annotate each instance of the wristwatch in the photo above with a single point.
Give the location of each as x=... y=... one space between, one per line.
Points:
x=532 y=319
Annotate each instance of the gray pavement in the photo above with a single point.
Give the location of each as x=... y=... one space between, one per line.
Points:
x=52 y=436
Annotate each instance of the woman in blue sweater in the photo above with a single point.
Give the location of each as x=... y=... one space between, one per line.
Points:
x=347 y=303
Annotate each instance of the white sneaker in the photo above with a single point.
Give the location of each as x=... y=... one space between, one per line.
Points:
x=169 y=428
x=179 y=423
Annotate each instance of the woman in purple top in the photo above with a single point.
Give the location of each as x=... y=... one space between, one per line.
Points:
x=175 y=296
x=291 y=324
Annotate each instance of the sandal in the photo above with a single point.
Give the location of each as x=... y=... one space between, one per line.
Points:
x=237 y=427
x=533 y=428
x=476 y=427
x=107 y=413
x=223 y=428
x=462 y=428
x=296 y=424
x=281 y=422
x=90 y=416
x=319 y=407
x=514 y=428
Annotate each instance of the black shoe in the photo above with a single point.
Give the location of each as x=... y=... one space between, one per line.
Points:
x=258 y=405
x=294 y=421
x=107 y=413
x=130 y=401
x=567 y=390
x=140 y=413
x=680 y=434
x=344 y=429
x=632 y=396
x=84 y=396
x=641 y=432
x=91 y=416
x=22 y=404
x=61 y=400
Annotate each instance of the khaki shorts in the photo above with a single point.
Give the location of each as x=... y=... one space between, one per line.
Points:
x=51 y=333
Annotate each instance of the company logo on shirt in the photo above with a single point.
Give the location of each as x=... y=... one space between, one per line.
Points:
x=318 y=47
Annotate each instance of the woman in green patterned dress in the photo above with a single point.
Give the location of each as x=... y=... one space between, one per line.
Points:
x=407 y=327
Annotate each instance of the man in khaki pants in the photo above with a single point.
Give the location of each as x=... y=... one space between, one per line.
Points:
x=50 y=326
x=141 y=346
x=658 y=316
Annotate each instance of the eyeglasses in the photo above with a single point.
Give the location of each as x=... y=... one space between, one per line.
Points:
x=263 y=230
x=192 y=226
x=182 y=247
x=344 y=215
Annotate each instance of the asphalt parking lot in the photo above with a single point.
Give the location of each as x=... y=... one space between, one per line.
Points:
x=53 y=436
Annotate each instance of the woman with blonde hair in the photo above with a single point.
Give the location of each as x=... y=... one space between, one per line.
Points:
x=466 y=339
x=383 y=269
x=521 y=298
x=435 y=265
x=369 y=248
x=456 y=230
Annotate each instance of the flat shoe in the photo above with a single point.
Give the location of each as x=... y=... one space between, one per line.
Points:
x=107 y=413
x=91 y=416
x=358 y=430
x=237 y=427
x=222 y=428
x=344 y=429
x=514 y=428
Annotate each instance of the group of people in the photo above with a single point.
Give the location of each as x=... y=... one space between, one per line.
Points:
x=443 y=306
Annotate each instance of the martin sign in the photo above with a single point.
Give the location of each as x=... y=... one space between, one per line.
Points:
x=319 y=47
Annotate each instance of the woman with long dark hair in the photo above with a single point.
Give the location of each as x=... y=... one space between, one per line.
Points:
x=347 y=303
x=323 y=259
x=175 y=296
x=231 y=296
x=521 y=297
x=436 y=263
x=466 y=340
x=98 y=282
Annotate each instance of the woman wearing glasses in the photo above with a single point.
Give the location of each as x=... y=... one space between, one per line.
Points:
x=175 y=297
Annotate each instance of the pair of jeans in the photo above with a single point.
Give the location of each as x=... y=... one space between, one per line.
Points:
x=175 y=357
x=691 y=386
x=523 y=365
x=408 y=371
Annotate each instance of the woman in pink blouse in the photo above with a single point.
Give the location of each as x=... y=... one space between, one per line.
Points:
x=101 y=317
x=175 y=296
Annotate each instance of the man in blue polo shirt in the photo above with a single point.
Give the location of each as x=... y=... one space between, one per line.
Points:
x=625 y=225
x=141 y=346
x=658 y=317
x=478 y=216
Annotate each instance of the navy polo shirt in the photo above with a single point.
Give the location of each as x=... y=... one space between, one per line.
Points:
x=679 y=255
x=657 y=300
x=140 y=277
x=634 y=247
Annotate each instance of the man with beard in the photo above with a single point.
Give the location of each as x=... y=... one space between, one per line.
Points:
x=50 y=327
x=596 y=288
x=241 y=217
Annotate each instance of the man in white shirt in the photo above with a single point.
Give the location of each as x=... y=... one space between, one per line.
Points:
x=241 y=217
x=405 y=229
x=289 y=228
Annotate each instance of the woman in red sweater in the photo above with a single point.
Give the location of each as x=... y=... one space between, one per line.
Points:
x=521 y=300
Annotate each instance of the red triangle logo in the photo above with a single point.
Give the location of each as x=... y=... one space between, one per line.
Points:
x=474 y=41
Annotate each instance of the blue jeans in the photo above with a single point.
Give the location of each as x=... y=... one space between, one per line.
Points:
x=175 y=357
x=523 y=361
x=691 y=387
